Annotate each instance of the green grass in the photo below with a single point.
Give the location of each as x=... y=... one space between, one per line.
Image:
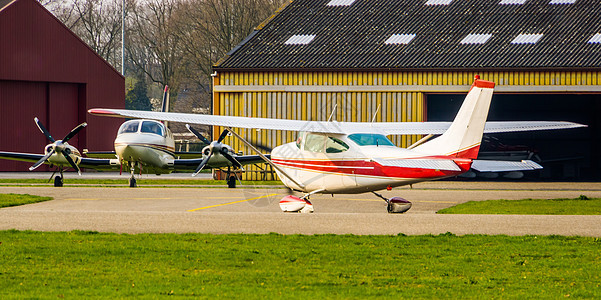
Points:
x=7 y=200
x=90 y=264
x=578 y=206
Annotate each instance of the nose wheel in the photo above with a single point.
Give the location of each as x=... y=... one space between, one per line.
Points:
x=132 y=180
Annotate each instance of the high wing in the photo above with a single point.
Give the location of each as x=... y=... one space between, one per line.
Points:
x=329 y=127
x=82 y=162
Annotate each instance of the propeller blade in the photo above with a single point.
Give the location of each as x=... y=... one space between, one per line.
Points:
x=75 y=131
x=262 y=147
x=42 y=160
x=71 y=162
x=231 y=159
x=222 y=136
x=202 y=164
x=198 y=135
x=43 y=130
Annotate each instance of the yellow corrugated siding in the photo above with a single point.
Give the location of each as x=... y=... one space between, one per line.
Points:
x=354 y=106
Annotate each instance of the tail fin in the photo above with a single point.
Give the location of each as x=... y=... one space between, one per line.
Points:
x=165 y=104
x=464 y=136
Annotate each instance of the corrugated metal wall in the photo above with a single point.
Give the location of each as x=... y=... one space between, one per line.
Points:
x=255 y=96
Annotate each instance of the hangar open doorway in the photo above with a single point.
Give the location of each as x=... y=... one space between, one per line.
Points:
x=571 y=154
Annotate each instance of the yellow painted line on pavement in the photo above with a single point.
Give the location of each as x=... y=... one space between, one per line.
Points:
x=235 y=202
x=95 y=199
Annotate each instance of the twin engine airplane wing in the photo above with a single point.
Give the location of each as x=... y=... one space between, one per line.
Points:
x=388 y=128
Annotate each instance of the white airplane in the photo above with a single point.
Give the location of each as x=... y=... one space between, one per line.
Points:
x=141 y=146
x=357 y=157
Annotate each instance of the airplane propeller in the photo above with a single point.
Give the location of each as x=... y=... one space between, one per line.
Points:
x=59 y=146
x=214 y=147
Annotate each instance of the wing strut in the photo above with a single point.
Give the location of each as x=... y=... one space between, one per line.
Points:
x=267 y=160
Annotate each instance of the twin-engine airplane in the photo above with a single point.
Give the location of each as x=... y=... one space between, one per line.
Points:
x=357 y=157
x=141 y=146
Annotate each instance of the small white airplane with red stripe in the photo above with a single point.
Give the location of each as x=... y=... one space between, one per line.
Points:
x=357 y=157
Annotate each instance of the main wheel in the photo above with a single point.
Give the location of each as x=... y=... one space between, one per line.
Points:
x=231 y=182
x=58 y=181
x=132 y=182
x=398 y=205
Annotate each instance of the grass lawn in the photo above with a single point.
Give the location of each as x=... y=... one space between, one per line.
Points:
x=89 y=264
x=578 y=206
x=7 y=200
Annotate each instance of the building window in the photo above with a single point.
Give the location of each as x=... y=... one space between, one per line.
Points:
x=527 y=39
x=397 y=39
x=300 y=39
x=476 y=38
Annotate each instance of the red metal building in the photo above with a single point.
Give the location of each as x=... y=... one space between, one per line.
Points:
x=46 y=71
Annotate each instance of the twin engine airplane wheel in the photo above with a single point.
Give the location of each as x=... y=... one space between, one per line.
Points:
x=58 y=181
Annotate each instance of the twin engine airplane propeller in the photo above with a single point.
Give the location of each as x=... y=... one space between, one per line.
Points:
x=212 y=148
x=59 y=152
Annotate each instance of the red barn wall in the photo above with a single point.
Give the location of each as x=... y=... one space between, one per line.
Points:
x=48 y=72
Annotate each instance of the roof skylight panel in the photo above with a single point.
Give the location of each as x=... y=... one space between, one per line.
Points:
x=512 y=2
x=596 y=39
x=399 y=39
x=438 y=2
x=527 y=39
x=300 y=39
x=562 y=2
x=340 y=3
x=473 y=38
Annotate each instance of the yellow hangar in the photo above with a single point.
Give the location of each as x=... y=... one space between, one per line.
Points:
x=378 y=60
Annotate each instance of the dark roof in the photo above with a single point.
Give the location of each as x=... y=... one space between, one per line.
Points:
x=353 y=37
x=4 y=3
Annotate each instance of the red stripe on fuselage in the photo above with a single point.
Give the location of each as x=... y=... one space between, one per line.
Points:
x=371 y=168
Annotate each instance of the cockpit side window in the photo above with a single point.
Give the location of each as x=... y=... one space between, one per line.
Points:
x=152 y=127
x=315 y=142
x=129 y=127
x=370 y=139
x=334 y=145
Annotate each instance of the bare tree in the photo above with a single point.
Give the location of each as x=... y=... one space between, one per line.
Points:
x=211 y=28
x=154 y=44
x=96 y=22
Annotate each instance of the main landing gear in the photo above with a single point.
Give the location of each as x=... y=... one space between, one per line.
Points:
x=58 y=181
x=396 y=205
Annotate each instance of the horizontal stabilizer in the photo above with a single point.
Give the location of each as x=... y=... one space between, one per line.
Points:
x=504 y=166
x=432 y=164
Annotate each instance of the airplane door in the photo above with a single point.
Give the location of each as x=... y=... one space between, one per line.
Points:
x=337 y=151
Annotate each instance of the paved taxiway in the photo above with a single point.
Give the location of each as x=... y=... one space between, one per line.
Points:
x=256 y=210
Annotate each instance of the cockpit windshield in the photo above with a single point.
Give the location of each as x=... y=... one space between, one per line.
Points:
x=129 y=127
x=152 y=127
x=370 y=139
